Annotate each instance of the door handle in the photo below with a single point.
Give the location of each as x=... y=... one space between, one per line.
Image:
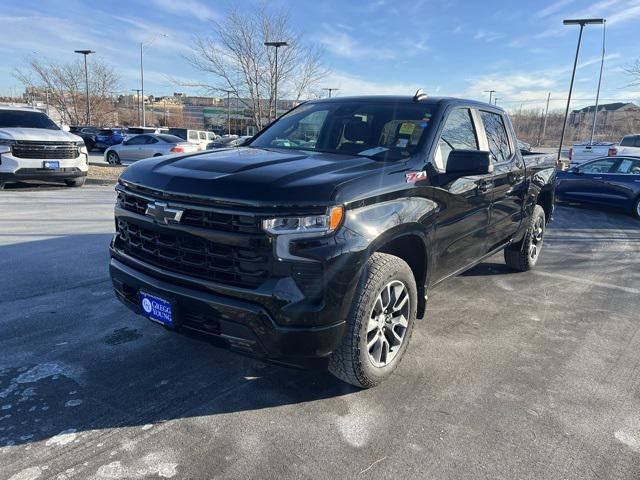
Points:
x=515 y=178
x=597 y=178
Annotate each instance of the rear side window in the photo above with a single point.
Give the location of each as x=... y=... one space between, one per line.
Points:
x=630 y=141
x=497 y=138
x=458 y=134
x=599 y=166
x=193 y=135
x=629 y=166
x=203 y=135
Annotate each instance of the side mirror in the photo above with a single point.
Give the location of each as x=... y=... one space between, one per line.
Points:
x=469 y=162
x=576 y=170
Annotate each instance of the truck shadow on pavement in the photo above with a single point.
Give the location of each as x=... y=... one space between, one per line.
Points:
x=75 y=362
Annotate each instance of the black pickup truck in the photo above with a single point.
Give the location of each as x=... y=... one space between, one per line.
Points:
x=317 y=243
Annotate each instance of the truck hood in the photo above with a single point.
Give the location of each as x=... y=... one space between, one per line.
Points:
x=38 y=134
x=254 y=176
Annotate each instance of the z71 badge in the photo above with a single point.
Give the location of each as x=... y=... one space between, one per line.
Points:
x=413 y=177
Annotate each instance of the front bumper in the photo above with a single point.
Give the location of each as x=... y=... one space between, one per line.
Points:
x=247 y=325
x=17 y=169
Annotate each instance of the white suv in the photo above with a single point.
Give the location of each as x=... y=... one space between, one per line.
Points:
x=33 y=147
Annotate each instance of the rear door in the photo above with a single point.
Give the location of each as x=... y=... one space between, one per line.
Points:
x=150 y=147
x=464 y=201
x=509 y=188
x=622 y=184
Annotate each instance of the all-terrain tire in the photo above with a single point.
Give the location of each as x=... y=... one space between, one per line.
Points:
x=524 y=255
x=352 y=362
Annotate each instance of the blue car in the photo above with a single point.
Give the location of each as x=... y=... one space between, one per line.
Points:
x=108 y=137
x=610 y=181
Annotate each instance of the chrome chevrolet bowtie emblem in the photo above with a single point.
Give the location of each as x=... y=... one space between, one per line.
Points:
x=162 y=213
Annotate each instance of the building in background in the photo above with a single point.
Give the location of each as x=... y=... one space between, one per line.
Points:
x=611 y=116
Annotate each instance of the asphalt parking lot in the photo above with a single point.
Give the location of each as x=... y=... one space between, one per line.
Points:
x=512 y=375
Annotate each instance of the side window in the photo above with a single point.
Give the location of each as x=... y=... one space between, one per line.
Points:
x=628 y=166
x=599 y=166
x=137 y=140
x=193 y=135
x=458 y=133
x=210 y=136
x=150 y=140
x=496 y=136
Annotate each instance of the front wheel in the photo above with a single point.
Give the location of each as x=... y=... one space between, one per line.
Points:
x=380 y=323
x=75 y=182
x=523 y=256
x=113 y=158
x=636 y=208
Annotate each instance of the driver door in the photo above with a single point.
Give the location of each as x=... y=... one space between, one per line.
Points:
x=586 y=184
x=464 y=201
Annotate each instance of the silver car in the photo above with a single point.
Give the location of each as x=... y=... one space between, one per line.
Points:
x=147 y=145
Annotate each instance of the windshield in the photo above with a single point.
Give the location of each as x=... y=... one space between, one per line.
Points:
x=22 y=119
x=384 y=131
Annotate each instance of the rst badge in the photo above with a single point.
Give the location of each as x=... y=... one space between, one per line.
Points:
x=413 y=177
x=162 y=213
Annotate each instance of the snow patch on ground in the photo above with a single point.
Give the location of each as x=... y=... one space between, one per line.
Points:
x=30 y=473
x=63 y=438
x=153 y=464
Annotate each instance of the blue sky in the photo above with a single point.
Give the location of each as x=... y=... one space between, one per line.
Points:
x=448 y=47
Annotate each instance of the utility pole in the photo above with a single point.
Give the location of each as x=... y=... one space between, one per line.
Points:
x=490 y=92
x=137 y=90
x=595 y=112
x=142 y=44
x=228 y=92
x=86 y=81
x=544 y=123
x=330 y=90
x=277 y=45
x=582 y=23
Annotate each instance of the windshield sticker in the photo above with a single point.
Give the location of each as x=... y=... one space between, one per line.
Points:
x=373 y=151
x=402 y=142
x=407 y=128
x=413 y=177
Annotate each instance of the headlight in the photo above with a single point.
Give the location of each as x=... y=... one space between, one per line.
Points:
x=80 y=143
x=314 y=224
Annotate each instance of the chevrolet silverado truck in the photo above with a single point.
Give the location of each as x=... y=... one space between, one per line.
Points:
x=317 y=243
x=34 y=148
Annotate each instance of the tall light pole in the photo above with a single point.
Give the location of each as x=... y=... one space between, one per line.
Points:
x=142 y=44
x=595 y=112
x=582 y=22
x=277 y=45
x=490 y=92
x=86 y=80
x=330 y=90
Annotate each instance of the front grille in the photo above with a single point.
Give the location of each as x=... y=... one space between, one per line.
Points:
x=197 y=217
x=195 y=256
x=45 y=150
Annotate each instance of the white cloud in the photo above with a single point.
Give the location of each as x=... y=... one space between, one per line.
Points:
x=487 y=36
x=192 y=8
x=552 y=8
x=342 y=44
x=353 y=85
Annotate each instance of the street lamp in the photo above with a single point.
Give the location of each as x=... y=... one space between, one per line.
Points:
x=86 y=80
x=330 y=90
x=582 y=22
x=490 y=92
x=277 y=45
x=148 y=43
x=595 y=112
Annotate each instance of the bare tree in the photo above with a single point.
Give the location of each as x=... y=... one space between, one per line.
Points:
x=633 y=71
x=63 y=83
x=238 y=61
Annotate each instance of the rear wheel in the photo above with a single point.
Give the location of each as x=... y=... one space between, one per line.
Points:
x=75 y=182
x=523 y=256
x=636 y=208
x=380 y=323
x=113 y=158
